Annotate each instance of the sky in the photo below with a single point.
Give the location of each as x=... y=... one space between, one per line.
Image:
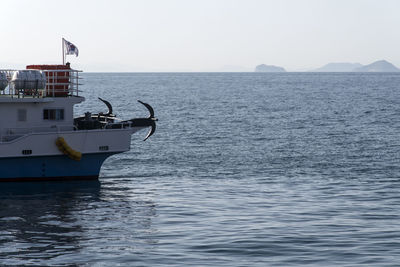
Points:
x=201 y=35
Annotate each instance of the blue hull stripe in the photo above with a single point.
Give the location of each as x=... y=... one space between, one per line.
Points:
x=48 y=168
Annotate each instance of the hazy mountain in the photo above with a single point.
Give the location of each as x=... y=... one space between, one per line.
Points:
x=269 y=68
x=378 y=66
x=338 y=67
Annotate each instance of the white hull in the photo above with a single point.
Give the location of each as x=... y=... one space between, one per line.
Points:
x=90 y=141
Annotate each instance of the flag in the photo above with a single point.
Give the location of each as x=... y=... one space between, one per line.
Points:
x=70 y=48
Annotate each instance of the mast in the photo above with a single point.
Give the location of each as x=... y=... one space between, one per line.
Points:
x=63 y=51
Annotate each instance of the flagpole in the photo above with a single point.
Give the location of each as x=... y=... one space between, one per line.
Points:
x=63 y=51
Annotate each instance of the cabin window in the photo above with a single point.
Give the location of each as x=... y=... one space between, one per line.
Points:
x=55 y=114
x=21 y=114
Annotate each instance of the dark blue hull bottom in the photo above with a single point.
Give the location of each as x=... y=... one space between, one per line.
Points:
x=51 y=168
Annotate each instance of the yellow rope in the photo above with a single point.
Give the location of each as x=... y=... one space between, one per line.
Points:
x=67 y=150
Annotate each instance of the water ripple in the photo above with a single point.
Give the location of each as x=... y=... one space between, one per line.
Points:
x=245 y=169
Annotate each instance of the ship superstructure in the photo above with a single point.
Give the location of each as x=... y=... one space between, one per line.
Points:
x=40 y=139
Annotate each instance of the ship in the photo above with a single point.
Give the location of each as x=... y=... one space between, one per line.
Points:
x=40 y=137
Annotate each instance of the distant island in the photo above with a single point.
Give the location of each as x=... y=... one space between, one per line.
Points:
x=269 y=68
x=338 y=67
x=377 y=66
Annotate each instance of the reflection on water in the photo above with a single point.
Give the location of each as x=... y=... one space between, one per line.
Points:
x=37 y=218
x=42 y=223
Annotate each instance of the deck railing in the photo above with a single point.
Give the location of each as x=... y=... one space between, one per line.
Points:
x=59 y=83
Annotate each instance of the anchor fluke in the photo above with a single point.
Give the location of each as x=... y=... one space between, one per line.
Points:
x=108 y=104
x=151 y=110
x=152 y=130
x=146 y=122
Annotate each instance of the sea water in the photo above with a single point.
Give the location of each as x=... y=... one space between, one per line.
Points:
x=245 y=169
